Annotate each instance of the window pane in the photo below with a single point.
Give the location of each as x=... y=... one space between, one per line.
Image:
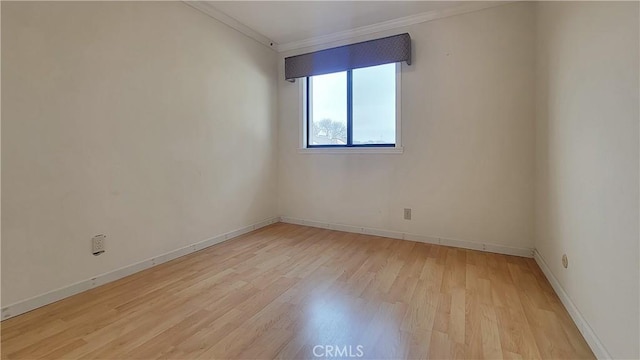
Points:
x=328 y=109
x=374 y=105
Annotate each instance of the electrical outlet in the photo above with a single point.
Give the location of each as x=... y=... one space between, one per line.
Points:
x=407 y=214
x=97 y=244
x=565 y=261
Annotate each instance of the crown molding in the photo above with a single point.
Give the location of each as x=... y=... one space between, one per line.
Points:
x=388 y=25
x=209 y=9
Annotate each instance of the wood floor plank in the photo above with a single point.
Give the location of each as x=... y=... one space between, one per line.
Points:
x=288 y=291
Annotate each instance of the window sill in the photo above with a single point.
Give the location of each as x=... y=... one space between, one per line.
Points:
x=352 y=150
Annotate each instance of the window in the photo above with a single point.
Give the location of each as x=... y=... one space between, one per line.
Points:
x=354 y=108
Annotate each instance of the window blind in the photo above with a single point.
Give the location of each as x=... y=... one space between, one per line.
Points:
x=386 y=50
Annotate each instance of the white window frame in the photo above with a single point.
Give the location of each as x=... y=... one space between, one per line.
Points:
x=397 y=149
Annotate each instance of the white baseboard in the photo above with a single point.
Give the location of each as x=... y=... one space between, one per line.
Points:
x=499 y=249
x=35 y=302
x=587 y=332
x=50 y=297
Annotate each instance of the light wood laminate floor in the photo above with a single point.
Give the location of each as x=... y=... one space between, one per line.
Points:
x=282 y=290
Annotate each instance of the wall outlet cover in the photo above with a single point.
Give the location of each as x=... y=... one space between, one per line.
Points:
x=97 y=244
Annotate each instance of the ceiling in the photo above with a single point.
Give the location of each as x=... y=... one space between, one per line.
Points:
x=292 y=21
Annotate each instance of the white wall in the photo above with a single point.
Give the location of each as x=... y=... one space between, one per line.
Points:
x=156 y=125
x=148 y=122
x=467 y=130
x=587 y=161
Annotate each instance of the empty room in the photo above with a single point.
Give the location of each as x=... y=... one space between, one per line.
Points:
x=320 y=180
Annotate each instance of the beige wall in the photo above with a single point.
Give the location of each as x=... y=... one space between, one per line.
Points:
x=587 y=162
x=156 y=125
x=148 y=122
x=467 y=131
